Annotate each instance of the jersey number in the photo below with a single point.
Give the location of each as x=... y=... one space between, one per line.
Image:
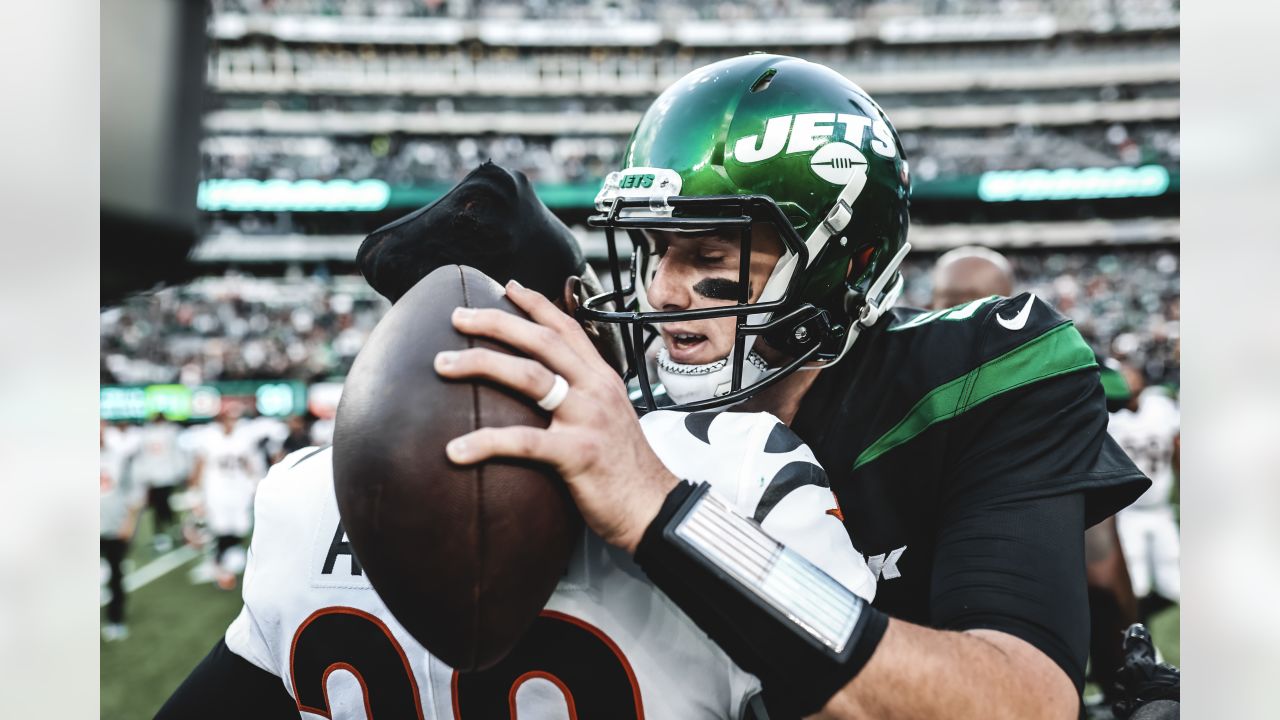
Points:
x=587 y=667
x=343 y=638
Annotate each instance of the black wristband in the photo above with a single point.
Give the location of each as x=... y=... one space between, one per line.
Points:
x=772 y=611
x=651 y=542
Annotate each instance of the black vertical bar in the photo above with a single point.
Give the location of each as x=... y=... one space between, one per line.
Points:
x=744 y=297
x=616 y=276
x=642 y=369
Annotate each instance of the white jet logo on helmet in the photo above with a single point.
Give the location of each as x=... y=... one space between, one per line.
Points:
x=806 y=132
x=839 y=163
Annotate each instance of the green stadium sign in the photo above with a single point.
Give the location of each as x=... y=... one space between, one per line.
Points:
x=375 y=195
x=276 y=398
x=287 y=195
x=1073 y=183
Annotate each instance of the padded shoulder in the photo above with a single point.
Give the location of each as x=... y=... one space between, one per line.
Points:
x=945 y=344
x=1023 y=313
x=1020 y=322
x=289 y=498
x=947 y=362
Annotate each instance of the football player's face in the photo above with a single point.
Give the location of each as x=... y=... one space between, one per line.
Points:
x=700 y=270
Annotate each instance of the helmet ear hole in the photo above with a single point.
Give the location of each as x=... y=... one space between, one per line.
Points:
x=858 y=262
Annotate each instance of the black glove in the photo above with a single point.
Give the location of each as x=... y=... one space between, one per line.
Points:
x=1141 y=679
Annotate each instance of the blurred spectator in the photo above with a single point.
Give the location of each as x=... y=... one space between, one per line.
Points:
x=228 y=466
x=299 y=436
x=159 y=465
x=322 y=432
x=969 y=273
x=120 y=499
x=1149 y=431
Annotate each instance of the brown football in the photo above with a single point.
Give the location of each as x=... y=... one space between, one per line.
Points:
x=464 y=557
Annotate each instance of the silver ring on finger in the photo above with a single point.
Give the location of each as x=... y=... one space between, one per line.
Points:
x=556 y=395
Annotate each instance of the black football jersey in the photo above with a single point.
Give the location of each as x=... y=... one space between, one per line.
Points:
x=937 y=426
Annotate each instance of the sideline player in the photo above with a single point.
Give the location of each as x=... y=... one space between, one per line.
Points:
x=161 y=465
x=969 y=273
x=313 y=636
x=767 y=201
x=119 y=502
x=228 y=464
x=1148 y=429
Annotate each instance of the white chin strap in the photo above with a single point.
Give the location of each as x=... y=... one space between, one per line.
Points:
x=691 y=383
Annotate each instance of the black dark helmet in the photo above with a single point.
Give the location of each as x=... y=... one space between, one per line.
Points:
x=493 y=221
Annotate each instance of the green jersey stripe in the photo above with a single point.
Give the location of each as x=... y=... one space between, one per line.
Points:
x=1114 y=385
x=1056 y=352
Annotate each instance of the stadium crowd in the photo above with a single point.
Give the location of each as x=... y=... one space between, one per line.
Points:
x=408 y=161
x=238 y=328
x=1125 y=302
x=696 y=9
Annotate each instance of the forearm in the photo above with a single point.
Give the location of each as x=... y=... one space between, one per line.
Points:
x=918 y=672
x=874 y=667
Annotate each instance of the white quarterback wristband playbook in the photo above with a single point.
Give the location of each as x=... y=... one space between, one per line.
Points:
x=779 y=578
x=803 y=633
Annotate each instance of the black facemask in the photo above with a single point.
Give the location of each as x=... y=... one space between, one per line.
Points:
x=492 y=221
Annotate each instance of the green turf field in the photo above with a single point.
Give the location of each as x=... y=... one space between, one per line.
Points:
x=1165 y=630
x=173 y=623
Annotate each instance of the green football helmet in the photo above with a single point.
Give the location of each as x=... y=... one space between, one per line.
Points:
x=761 y=139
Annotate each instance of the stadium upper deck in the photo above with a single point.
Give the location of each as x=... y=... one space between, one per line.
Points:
x=415 y=93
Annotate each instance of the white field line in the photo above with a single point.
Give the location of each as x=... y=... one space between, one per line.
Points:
x=157 y=568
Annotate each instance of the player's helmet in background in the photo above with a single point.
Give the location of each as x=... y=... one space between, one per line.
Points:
x=762 y=139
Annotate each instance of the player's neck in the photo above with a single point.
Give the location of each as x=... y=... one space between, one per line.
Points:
x=783 y=399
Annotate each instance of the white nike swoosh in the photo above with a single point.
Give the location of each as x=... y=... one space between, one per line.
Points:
x=1017 y=321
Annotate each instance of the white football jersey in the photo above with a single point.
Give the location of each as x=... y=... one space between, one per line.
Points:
x=159 y=460
x=608 y=644
x=118 y=490
x=234 y=456
x=232 y=466
x=1147 y=438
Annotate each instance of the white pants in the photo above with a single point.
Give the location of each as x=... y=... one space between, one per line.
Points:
x=1149 y=539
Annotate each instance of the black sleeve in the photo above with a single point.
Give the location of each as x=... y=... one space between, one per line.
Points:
x=225 y=685
x=1017 y=567
x=1029 y=471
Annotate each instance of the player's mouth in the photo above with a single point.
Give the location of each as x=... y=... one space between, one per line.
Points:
x=686 y=348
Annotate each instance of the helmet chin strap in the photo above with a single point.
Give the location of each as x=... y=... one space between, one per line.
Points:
x=877 y=304
x=691 y=383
